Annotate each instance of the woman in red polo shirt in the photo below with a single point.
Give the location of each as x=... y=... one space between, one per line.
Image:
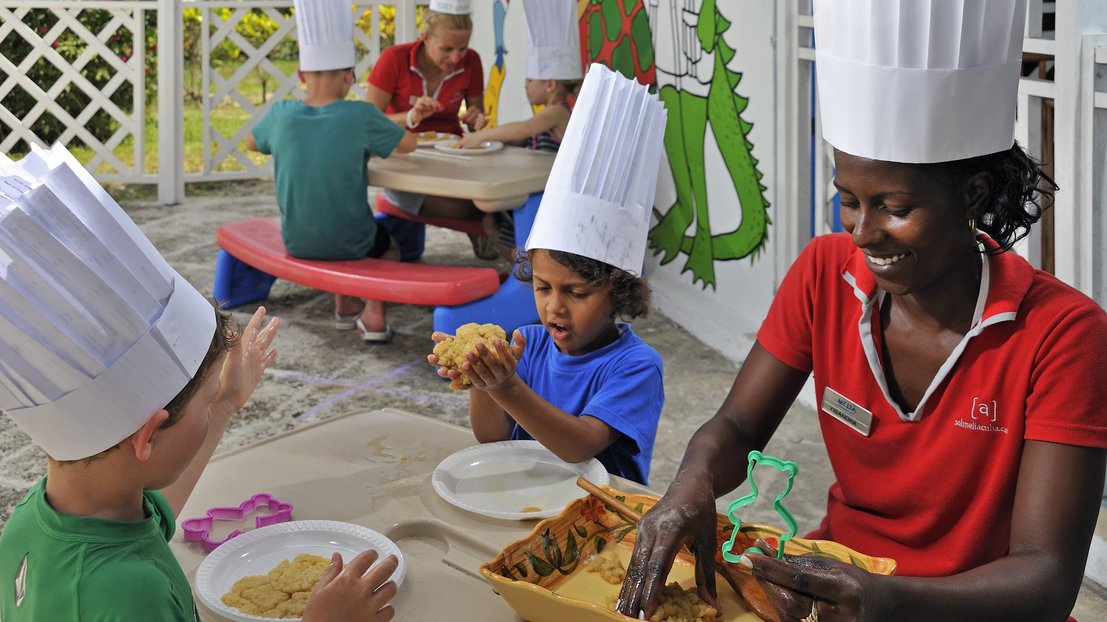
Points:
x=421 y=85
x=962 y=392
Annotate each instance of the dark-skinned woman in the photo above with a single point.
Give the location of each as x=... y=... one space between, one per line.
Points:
x=976 y=385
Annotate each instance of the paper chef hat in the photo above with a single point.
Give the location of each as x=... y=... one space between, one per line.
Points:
x=326 y=34
x=599 y=197
x=910 y=81
x=554 y=40
x=97 y=332
x=453 y=7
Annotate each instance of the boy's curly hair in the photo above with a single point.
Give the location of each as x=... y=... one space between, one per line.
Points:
x=630 y=296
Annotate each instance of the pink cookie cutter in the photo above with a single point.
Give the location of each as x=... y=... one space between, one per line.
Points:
x=199 y=529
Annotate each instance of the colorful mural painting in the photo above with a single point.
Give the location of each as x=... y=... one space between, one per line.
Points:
x=690 y=71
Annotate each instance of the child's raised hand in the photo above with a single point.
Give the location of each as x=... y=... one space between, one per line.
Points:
x=246 y=362
x=351 y=593
x=489 y=374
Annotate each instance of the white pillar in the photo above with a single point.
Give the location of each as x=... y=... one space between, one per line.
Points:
x=1076 y=213
x=171 y=190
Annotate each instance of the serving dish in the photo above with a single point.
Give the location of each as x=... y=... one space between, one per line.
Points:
x=542 y=577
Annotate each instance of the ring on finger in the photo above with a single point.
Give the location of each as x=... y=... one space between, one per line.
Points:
x=814 y=615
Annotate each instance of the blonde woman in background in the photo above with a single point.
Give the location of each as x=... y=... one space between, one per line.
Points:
x=421 y=86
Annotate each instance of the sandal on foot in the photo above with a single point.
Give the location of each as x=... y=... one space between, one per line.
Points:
x=346 y=322
x=373 y=337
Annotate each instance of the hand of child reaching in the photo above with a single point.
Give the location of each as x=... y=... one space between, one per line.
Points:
x=351 y=593
x=245 y=363
x=472 y=140
x=489 y=374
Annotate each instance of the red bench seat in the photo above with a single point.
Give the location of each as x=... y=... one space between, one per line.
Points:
x=257 y=243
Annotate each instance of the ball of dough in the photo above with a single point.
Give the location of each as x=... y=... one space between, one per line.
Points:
x=452 y=350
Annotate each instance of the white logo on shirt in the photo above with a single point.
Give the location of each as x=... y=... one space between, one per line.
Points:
x=21 y=582
x=983 y=415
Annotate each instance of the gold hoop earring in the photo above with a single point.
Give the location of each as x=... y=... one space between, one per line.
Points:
x=972 y=224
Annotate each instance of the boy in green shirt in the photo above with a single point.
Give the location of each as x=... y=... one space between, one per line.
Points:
x=127 y=378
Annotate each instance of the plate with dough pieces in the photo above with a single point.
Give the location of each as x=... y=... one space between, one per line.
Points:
x=258 y=551
x=488 y=146
x=513 y=480
x=432 y=138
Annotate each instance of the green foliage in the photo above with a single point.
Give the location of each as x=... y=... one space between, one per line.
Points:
x=98 y=71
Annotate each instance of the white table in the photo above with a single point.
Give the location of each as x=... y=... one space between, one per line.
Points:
x=373 y=468
x=494 y=182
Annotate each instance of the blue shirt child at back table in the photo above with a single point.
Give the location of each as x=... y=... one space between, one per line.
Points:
x=582 y=383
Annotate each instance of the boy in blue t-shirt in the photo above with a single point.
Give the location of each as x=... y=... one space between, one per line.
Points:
x=321 y=148
x=582 y=383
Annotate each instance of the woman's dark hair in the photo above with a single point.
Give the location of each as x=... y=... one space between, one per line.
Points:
x=630 y=296
x=1021 y=191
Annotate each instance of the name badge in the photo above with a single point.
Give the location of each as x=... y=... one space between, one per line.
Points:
x=841 y=408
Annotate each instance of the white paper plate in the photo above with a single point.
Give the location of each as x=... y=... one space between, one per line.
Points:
x=487 y=146
x=430 y=139
x=502 y=479
x=258 y=551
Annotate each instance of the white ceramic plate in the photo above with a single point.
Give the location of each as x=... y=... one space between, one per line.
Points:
x=487 y=146
x=258 y=551
x=513 y=480
x=430 y=139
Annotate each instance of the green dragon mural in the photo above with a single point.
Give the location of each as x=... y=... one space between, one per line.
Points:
x=621 y=34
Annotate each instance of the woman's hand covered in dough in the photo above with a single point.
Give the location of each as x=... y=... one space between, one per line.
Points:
x=685 y=514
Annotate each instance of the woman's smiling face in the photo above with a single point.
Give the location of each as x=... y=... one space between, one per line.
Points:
x=911 y=222
x=575 y=313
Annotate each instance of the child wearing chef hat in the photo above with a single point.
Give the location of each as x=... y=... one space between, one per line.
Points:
x=321 y=147
x=126 y=377
x=553 y=75
x=581 y=382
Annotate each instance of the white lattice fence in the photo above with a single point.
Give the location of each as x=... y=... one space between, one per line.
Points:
x=73 y=93
x=223 y=154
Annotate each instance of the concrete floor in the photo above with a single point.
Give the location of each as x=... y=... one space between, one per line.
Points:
x=320 y=372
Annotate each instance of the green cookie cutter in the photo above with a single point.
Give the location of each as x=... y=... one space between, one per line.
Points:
x=785 y=466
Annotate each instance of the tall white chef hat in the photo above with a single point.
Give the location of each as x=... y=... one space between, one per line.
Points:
x=554 y=40
x=914 y=81
x=453 y=7
x=599 y=197
x=97 y=332
x=325 y=30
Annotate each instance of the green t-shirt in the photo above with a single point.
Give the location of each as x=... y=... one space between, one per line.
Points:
x=320 y=160
x=60 y=567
